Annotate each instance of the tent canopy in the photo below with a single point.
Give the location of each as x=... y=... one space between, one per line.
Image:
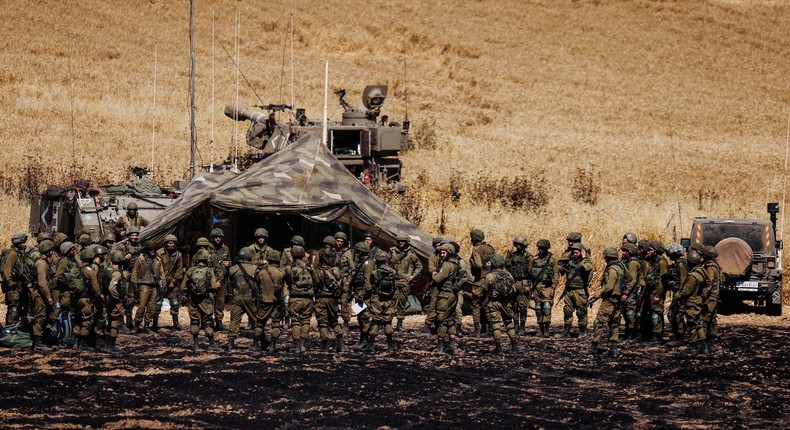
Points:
x=303 y=178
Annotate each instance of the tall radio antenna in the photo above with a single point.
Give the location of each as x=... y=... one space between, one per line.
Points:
x=192 y=129
x=153 y=116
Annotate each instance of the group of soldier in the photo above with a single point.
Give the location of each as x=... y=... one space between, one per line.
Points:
x=100 y=284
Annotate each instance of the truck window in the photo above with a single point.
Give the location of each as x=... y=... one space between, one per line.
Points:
x=759 y=237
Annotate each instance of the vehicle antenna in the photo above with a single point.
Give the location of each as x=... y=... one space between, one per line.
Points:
x=326 y=106
x=282 y=71
x=238 y=70
x=674 y=169
x=153 y=114
x=193 y=131
x=784 y=176
x=233 y=166
x=405 y=90
x=293 y=103
x=213 y=78
x=71 y=103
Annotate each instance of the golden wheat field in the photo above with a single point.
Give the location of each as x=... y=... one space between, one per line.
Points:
x=601 y=116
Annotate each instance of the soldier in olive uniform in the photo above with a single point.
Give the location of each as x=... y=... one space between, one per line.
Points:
x=173 y=274
x=677 y=271
x=544 y=274
x=108 y=241
x=655 y=291
x=39 y=295
x=612 y=284
x=114 y=290
x=380 y=298
x=630 y=238
x=245 y=288
x=518 y=262
x=200 y=284
x=434 y=263
x=481 y=266
x=131 y=249
x=286 y=259
x=132 y=219
x=465 y=285
x=221 y=255
x=346 y=258
x=273 y=301
x=577 y=271
x=302 y=281
x=501 y=289
x=407 y=267
x=146 y=275
x=329 y=291
x=369 y=238
x=633 y=270
x=710 y=296
x=260 y=249
x=445 y=279
x=643 y=326
x=15 y=277
x=64 y=288
x=87 y=296
x=359 y=284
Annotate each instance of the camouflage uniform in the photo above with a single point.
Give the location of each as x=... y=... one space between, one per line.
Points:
x=173 y=275
x=302 y=280
x=501 y=289
x=677 y=271
x=714 y=279
x=434 y=264
x=124 y=222
x=39 y=295
x=114 y=290
x=481 y=266
x=577 y=272
x=655 y=291
x=201 y=304
x=407 y=267
x=65 y=266
x=15 y=278
x=146 y=275
x=131 y=250
x=273 y=301
x=380 y=298
x=220 y=257
x=633 y=273
x=544 y=274
x=87 y=297
x=519 y=263
x=327 y=304
x=358 y=285
x=245 y=288
x=612 y=285
x=444 y=280
x=346 y=269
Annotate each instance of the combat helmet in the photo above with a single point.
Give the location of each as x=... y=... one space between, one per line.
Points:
x=328 y=240
x=131 y=206
x=261 y=232
x=19 y=238
x=630 y=248
x=202 y=255
x=171 y=238
x=520 y=240
x=658 y=246
x=577 y=246
x=448 y=248
x=341 y=235
x=674 y=249
x=403 y=237
x=297 y=240
x=610 y=252
x=132 y=230
x=45 y=246
x=574 y=236
x=630 y=238
x=100 y=250
x=362 y=247
x=217 y=232
x=477 y=235
x=497 y=261
x=543 y=243
x=65 y=247
x=381 y=256
x=108 y=237
x=694 y=257
x=116 y=257
x=202 y=241
x=87 y=254
x=297 y=251
x=245 y=254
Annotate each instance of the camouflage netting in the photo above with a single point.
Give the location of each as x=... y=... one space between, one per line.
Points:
x=735 y=256
x=303 y=178
x=142 y=187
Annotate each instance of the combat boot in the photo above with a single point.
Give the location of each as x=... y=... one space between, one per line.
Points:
x=39 y=346
x=566 y=333
x=612 y=350
x=135 y=329
x=194 y=343
x=498 y=347
x=459 y=331
x=218 y=325
x=546 y=332
x=212 y=344
x=231 y=344
x=513 y=346
x=324 y=345
x=111 y=344
x=675 y=342
x=77 y=342
x=369 y=348
x=176 y=325
x=146 y=330
x=155 y=325
x=345 y=327
x=476 y=333
x=452 y=347
x=440 y=345
x=711 y=344
x=593 y=350
x=99 y=345
x=399 y=326
x=129 y=323
x=339 y=346
x=582 y=333
x=691 y=349
x=654 y=342
x=303 y=346
x=702 y=347
x=272 y=346
x=391 y=347
x=363 y=340
x=298 y=346
x=487 y=331
x=522 y=330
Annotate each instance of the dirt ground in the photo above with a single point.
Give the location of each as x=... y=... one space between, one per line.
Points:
x=158 y=382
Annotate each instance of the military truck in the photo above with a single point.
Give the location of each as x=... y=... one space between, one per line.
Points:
x=750 y=257
x=365 y=141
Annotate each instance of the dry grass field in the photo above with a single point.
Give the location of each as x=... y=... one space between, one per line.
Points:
x=599 y=116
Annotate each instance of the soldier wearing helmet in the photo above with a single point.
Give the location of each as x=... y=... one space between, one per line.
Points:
x=447 y=279
x=633 y=273
x=407 y=268
x=88 y=297
x=676 y=275
x=286 y=259
x=260 y=248
x=200 y=284
x=14 y=276
x=302 y=282
x=434 y=263
x=132 y=219
x=108 y=241
x=544 y=276
x=113 y=286
x=501 y=290
x=274 y=301
x=609 y=311
x=656 y=288
x=328 y=294
x=346 y=256
x=577 y=271
x=481 y=266
x=173 y=273
x=62 y=292
x=39 y=295
x=630 y=238
x=710 y=294
x=245 y=292
x=221 y=257
x=698 y=288
x=518 y=262
x=370 y=238
x=146 y=276
x=131 y=248
x=380 y=299
x=359 y=283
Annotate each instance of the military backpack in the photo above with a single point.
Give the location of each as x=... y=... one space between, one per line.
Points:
x=301 y=281
x=331 y=282
x=504 y=285
x=385 y=281
x=200 y=280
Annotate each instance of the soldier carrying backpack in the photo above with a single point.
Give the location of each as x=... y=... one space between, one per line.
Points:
x=381 y=303
x=200 y=283
x=502 y=291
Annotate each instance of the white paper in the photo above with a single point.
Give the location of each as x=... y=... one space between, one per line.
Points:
x=356 y=308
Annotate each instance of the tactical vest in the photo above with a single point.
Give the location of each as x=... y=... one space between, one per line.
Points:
x=456 y=280
x=201 y=278
x=673 y=274
x=107 y=278
x=576 y=279
x=330 y=282
x=358 y=276
x=618 y=267
x=385 y=281
x=242 y=283
x=519 y=265
x=542 y=271
x=504 y=286
x=301 y=282
x=485 y=251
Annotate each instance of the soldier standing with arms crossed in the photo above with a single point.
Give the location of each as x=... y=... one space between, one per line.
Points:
x=518 y=262
x=407 y=267
x=577 y=271
x=481 y=266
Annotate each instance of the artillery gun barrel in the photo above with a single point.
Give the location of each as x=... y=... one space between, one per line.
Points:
x=240 y=113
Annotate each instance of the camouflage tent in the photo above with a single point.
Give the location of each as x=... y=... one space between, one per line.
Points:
x=304 y=178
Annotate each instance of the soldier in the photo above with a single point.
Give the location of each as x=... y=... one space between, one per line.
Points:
x=434 y=263
x=146 y=276
x=108 y=241
x=630 y=238
x=222 y=259
x=676 y=275
x=571 y=238
x=612 y=284
x=100 y=264
x=286 y=259
x=245 y=294
x=359 y=284
x=132 y=219
x=518 y=263
x=407 y=267
x=633 y=270
x=446 y=279
x=369 y=238
x=464 y=285
x=380 y=298
x=84 y=242
x=273 y=301
x=114 y=290
x=15 y=277
x=643 y=326
x=200 y=284
x=655 y=292
x=481 y=266
x=88 y=293
x=544 y=283
x=346 y=257
x=39 y=293
x=173 y=269
x=710 y=296
x=501 y=289
x=694 y=294
x=64 y=265
x=131 y=250
x=577 y=271
x=329 y=290
x=302 y=281
x=260 y=249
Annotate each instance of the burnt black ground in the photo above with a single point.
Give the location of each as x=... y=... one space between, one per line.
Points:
x=157 y=382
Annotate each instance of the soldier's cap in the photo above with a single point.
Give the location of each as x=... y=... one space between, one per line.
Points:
x=202 y=241
x=368 y=234
x=85 y=240
x=261 y=232
x=341 y=235
x=245 y=254
x=497 y=261
x=297 y=240
x=674 y=249
x=629 y=248
x=217 y=232
x=574 y=236
x=403 y=237
x=274 y=256
x=328 y=240
x=709 y=252
x=45 y=246
x=381 y=256
x=448 y=248
x=477 y=235
x=87 y=254
x=362 y=247
x=171 y=238
x=577 y=246
x=297 y=251
x=644 y=244
x=132 y=230
x=65 y=247
x=658 y=246
x=131 y=206
x=19 y=238
x=543 y=243
x=202 y=255
x=610 y=252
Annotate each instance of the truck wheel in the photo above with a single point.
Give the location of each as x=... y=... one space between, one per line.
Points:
x=774 y=309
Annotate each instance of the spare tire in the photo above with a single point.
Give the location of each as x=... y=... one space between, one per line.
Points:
x=735 y=257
